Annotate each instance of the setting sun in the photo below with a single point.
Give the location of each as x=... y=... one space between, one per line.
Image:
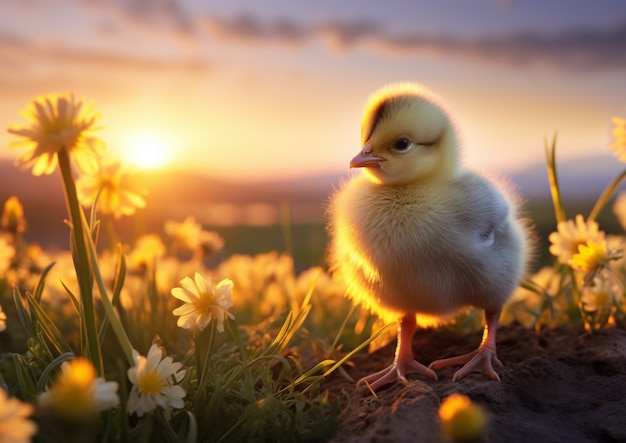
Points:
x=148 y=148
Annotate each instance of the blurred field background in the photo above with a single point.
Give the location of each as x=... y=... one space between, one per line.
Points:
x=286 y=215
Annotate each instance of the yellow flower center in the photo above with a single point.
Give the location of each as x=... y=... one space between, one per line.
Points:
x=150 y=383
x=205 y=303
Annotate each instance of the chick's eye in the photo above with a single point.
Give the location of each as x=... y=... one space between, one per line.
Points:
x=401 y=144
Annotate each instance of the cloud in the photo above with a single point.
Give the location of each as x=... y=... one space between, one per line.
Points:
x=150 y=13
x=163 y=25
x=18 y=52
x=246 y=28
x=583 y=49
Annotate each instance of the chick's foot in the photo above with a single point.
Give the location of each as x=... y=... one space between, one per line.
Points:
x=397 y=371
x=481 y=360
x=403 y=363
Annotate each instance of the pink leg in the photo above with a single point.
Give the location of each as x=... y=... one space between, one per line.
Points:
x=403 y=363
x=481 y=360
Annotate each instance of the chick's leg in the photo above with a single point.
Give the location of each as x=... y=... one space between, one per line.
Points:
x=403 y=363
x=481 y=360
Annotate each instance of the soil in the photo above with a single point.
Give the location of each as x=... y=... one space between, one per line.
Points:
x=561 y=385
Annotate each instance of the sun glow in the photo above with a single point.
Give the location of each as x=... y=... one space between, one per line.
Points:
x=148 y=148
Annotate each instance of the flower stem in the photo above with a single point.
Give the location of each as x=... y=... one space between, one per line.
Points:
x=81 y=264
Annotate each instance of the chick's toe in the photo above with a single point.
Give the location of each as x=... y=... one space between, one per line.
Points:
x=403 y=363
x=482 y=359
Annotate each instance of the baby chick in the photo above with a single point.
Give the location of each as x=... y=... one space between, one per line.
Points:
x=418 y=237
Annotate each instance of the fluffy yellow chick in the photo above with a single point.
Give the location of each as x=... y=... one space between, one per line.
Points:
x=418 y=237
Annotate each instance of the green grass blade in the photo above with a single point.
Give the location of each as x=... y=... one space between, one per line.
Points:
x=116 y=324
x=606 y=195
x=72 y=297
x=118 y=285
x=25 y=378
x=555 y=191
x=51 y=368
x=349 y=355
x=47 y=326
x=42 y=281
x=23 y=313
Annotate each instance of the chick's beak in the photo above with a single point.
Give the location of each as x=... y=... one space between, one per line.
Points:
x=366 y=159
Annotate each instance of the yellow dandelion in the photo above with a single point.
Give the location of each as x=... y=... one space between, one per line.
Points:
x=203 y=302
x=58 y=122
x=112 y=188
x=461 y=419
x=148 y=249
x=7 y=253
x=572 y=233
x=13 y=216
x=619 y=135
x=186 y=234
x=210 y=242
x=590 y=257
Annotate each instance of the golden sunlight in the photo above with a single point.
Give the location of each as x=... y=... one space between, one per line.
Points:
x=148 y=148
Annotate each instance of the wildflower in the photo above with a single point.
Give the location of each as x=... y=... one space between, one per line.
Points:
x=570 y=234
x=14 y=426
x=600 y=295
x=210 y=242
x=590 y=257
x=619 y=133
x=530 y=307
x=13 y=216
x=461 y=419
x=7 y=252
x=3 y=320
x=154 y=382
x=147 y=249
x=619 y=209
x=77 y=394
x=58 y=122
x=203 y=302
x=186 y=235
x=110 y=185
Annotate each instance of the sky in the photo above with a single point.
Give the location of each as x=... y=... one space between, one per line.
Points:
x=249 y=89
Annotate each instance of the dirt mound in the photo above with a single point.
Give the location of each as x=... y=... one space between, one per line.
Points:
x=557 y=386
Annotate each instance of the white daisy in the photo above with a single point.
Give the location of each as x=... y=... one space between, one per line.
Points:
x=154 y=380
x=77 y=393
x=203 y=302
x=14 y=425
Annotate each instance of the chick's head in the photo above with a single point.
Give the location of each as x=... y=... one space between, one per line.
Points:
x=406 y=137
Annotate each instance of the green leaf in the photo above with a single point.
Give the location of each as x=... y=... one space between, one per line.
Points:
x=42 y=281
x=51 y=368
x=47 y=326
x=25 y=378
x=606 y=195
x=555 y=191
